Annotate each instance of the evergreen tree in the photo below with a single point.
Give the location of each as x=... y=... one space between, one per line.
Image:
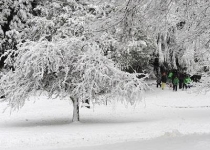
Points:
x=13 y=23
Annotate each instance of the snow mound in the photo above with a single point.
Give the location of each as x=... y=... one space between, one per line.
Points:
x=173 y=133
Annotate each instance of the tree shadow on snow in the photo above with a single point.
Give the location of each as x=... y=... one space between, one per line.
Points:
x=68 y=121
x=115 y=121
x=39 y=122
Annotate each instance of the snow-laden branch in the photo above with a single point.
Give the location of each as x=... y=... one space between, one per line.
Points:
x=67 y=67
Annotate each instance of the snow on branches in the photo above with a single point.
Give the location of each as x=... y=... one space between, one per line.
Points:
x=67 y=67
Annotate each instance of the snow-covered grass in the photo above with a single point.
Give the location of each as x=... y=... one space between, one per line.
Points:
x=163 y=114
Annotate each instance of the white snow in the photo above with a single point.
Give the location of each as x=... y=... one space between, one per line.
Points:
x=164 y=120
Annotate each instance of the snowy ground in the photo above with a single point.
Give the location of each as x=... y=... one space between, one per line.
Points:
x=164 y=120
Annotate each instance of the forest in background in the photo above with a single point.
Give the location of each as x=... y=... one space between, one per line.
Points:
x=130 y=32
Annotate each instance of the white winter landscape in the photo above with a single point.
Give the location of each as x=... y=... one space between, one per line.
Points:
x=57 y=54
x=164 y=120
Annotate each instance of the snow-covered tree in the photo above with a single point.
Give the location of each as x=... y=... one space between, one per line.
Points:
x=124 y=39
x=67 y=67
x=179 y=28
x=61 y=56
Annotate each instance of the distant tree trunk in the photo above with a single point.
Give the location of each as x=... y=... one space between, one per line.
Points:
x=75 y=109
x=166 y=52
x=160 y=51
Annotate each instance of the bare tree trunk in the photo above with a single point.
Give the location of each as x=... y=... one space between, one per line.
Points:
x=76 y=109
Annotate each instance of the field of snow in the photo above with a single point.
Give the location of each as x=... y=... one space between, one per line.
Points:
x=163 y=119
